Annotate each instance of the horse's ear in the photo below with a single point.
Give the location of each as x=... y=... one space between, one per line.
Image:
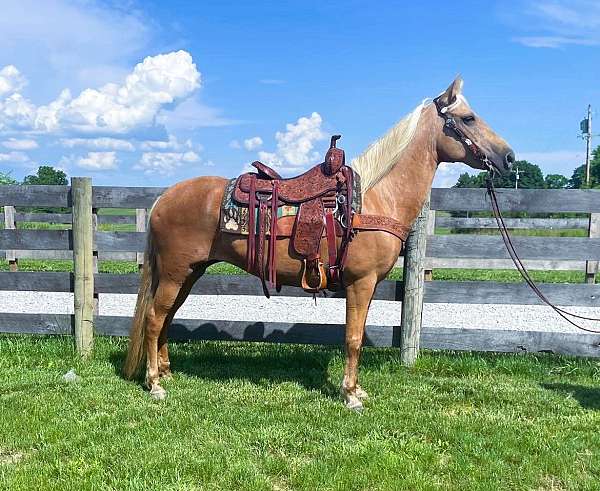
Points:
x=452 y=92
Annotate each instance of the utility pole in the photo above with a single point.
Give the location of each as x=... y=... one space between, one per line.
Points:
x=586 y=130
x=516 y=171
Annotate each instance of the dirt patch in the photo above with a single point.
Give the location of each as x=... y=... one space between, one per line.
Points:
x=551 y=483
x=10 y=457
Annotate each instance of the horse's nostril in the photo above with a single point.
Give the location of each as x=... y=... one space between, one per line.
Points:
x=509 y=160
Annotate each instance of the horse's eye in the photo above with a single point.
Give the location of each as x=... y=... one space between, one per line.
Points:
x=468 y=119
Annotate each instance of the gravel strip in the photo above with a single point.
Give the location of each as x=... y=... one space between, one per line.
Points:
x=326 y=311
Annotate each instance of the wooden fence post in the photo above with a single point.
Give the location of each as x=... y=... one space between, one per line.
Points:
x=10 y=223
x=140 y=226
x=430 y=231
x=591 y=267
x=95 y=258
x=83 y=264
x=413 y=276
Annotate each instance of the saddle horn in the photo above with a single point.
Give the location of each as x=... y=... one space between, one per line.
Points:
x=335 y=157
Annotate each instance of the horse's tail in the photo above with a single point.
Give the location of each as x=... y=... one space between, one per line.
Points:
x=136 y=349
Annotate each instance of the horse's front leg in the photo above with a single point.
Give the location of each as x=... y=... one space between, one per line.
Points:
x=358 y=299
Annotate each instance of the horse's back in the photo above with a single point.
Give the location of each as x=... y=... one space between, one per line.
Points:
x=185 y=219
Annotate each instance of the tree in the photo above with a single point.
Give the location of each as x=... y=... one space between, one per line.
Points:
x=555 y=181
x=46 y=174
x=466 y=180
x=577 y=180
x=531 y=177
x=6 y=179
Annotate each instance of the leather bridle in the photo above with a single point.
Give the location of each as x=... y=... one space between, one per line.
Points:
x=450 y=123
x=466 y=140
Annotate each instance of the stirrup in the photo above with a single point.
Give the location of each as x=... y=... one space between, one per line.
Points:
x=320 y=269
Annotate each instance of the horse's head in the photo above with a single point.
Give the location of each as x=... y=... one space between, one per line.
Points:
x=465 y=137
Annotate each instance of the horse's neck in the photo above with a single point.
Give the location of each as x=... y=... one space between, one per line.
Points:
x=402 y=192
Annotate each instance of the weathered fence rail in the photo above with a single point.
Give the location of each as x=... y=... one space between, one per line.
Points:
x=428 y=251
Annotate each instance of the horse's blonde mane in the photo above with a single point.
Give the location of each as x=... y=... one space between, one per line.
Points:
x=379 y=158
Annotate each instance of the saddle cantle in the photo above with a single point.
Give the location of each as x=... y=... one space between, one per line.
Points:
x=326 y=202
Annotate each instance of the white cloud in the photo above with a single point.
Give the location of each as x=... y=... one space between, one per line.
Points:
x=253 y=143
x=192 y=114
x=235 y=144
x=104 y=143
x=552 y=41
x=16 y=112
x=113 y=109
x=79 y=42
x=98 y=161
x=15 y=144
x=555 y=162
x=295 y=146
x=11 y=80
x=16 y=157
x=558 y=23
x=447 y=174
x=171 y=144
x=165 y=163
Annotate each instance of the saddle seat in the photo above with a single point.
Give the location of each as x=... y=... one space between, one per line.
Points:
x=314 y=183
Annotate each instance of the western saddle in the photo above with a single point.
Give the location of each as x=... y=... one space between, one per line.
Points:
x=324 y=196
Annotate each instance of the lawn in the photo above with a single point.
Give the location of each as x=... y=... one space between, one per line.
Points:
x=245 y=416
x=501 y=275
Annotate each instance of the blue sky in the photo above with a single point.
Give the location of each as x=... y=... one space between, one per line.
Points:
x=150 y=93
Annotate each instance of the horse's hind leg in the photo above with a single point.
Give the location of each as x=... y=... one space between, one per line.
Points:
x=164 y=364
x=156 y=320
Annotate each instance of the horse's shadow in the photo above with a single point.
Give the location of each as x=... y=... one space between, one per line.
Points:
x=262 y=364
x=587 y=397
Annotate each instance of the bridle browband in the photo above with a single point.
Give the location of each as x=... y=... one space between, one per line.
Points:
x=450 y=123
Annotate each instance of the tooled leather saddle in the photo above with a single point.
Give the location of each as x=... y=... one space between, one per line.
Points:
x=324 y=197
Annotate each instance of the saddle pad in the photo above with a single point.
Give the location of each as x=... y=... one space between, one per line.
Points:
x=234 y=216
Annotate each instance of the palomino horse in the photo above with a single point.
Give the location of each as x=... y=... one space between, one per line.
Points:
x=396 y=173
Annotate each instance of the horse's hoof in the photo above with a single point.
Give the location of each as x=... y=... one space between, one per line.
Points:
x=353 y=403
x=361 y=394
x=158 y=393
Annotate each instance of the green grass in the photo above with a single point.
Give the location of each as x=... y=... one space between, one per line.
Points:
x=500 y=275
x=116 y=211
x=568 y=232
x=248 y=416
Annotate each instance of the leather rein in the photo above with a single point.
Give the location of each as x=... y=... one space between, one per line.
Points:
x=479 y=154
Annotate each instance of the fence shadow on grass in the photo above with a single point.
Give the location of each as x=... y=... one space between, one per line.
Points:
x=587 y=397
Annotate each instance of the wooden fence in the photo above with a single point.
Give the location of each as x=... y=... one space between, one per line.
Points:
x=86 y=244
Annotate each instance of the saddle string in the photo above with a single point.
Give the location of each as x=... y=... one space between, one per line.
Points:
x=565 y=314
